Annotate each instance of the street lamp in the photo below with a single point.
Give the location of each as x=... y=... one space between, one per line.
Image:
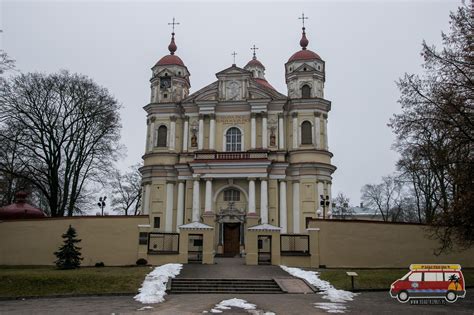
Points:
x=101 y=204
x=325 y=202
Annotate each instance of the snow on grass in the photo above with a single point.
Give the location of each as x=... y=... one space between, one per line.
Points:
x=154 y=286
x=238 y=303
x=144 y=308
x=327 y=290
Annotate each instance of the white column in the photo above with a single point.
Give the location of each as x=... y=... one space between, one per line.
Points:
x=212 y=132
x=201 y=133
x=169 y=207
x=180 y=206
x=196 y=201
x=296 y=207
x=317 y=130
x=172 y=136
x=330 y=202
x=295 y=130
x=152 y=134
x=208 y=200
x=146 y=199
x=252 y=196
x=253 y=132
x=148 y=135
x=264 y=131
x=281 y=132
x=320 y=192
x=264 y=201
x=185 y=134
x=325 y=126
x=283 y=219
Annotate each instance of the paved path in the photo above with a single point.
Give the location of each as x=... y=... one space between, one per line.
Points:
x=232 y=268
x=281 y=304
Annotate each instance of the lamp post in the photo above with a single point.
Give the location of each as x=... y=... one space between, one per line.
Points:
x=101 y=204
x=325 y=202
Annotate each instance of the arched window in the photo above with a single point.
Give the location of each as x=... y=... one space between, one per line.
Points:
x=233 y=139
x=305 y=91
x=231 y=195
x=306 y=133
x=162 y=135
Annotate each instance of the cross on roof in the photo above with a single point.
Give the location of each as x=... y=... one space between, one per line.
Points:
x=234 y=54
x=254 y=49
x=303 y=18
x=173 y=24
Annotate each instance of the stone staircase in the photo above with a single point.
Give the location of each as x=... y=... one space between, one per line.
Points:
x=194 y=285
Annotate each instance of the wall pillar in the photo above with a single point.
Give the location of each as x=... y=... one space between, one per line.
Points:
x=264 y=131
x=295 y=130
x=185 y=133
x=212 y=132
x=281 y=132
x=317 y=130
x=172 y=141
x=196 y=201
x=180 y=206
x=296 y=207
x=253 y=131
x=201 y=132
x=252 y=197
x=325 y=127
x=208 y=199
x=264 y=201
x=146 y=199
x=283 y=219
x=169 y=207
x=151 y=144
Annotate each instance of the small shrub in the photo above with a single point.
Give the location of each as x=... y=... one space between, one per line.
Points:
x=69 y=255
x=142 y=262
x=99 y=264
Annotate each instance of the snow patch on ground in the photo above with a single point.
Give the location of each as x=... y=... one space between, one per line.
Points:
x=144 y=308
x=154 y=286
x=337 y=297
x=238 y=303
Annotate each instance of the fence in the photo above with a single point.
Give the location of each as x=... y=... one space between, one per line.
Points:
x=163 y=243
x=294 y=245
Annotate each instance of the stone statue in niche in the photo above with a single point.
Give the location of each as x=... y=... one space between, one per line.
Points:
x=233 y=90
x=272 y=136
x=194 y=131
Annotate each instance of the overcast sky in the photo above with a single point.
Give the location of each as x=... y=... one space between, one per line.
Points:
x=366 y=45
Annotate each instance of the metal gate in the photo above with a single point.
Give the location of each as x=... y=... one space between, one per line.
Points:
x=195 y=243
x=264 y=249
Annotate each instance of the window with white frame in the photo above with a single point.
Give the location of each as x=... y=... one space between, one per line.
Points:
x=233 y=139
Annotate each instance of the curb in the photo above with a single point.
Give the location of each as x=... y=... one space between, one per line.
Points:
x=54 y=296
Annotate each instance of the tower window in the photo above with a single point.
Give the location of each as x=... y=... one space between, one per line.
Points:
x=305 y=91
x=231 y=195
x=179 y=72
x=304 y=69
x=165 y=95
x=162 y=135
x=233 y=139
x=306 y=134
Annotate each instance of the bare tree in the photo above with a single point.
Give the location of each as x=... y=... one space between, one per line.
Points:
x=435 y=133
x=6 y=63
x=66 y=129
x=341 y=208
x=127 y=191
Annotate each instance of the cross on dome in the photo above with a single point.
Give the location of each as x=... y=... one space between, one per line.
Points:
x=234 y=54
x=173 y=24
x=172 y=46
x=254 y=49
x=304 y=41
x=302 y=18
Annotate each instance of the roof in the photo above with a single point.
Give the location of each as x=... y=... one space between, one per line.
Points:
x=264 y=83
x=254 y=62
x=170 y=60
x=304 y=54
x=20 y=209
x=264 y=227
x=196 y=226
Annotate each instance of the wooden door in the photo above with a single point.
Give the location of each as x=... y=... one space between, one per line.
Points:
x=231 y=239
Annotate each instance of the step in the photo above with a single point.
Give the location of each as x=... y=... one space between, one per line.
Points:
x=251 y=286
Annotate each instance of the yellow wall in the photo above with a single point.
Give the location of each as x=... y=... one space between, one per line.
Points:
x=372 y=245
x=111 y=240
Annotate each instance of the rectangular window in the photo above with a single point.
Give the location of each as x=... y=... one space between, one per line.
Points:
x=142 y=238
x=163 y=243
x=156 y=222
x=414 y=277
x=450 y=275
x=231 y=195
x=430 y=276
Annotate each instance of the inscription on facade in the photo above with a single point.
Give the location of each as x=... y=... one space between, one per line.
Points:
x=233 y=119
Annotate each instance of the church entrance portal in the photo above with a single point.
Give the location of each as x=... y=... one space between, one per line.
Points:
x=231 y=239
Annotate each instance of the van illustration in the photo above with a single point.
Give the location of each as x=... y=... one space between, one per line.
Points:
x=430 y=281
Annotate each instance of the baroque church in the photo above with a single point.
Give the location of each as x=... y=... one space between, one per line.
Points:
x=236 y=155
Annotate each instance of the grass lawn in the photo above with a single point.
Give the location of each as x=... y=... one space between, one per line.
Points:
x=41 y=281
x=374 y=278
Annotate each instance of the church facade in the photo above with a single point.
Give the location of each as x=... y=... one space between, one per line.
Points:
x=235 y=155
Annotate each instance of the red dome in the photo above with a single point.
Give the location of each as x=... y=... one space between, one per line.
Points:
x=169 y=60
x=20 y=209
x=255 y=62
x=304 y=54
x=264 y=83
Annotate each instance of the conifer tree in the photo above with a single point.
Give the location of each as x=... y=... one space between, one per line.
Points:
x=69 y=255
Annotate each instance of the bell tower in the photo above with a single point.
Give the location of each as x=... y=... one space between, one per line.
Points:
x=170 y=77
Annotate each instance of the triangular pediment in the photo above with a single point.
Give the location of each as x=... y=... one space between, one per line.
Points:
x=305 y=68
x=233 y=70
x=207 y=93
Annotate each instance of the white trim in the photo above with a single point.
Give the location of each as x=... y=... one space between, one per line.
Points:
x=256 y=175
x=216 y=194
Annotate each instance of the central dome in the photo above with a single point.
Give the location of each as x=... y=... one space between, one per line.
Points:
x=304 y=54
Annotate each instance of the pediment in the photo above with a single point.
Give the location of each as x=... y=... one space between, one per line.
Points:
x=304 y=66
x=209 y=92
x=233 y=70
